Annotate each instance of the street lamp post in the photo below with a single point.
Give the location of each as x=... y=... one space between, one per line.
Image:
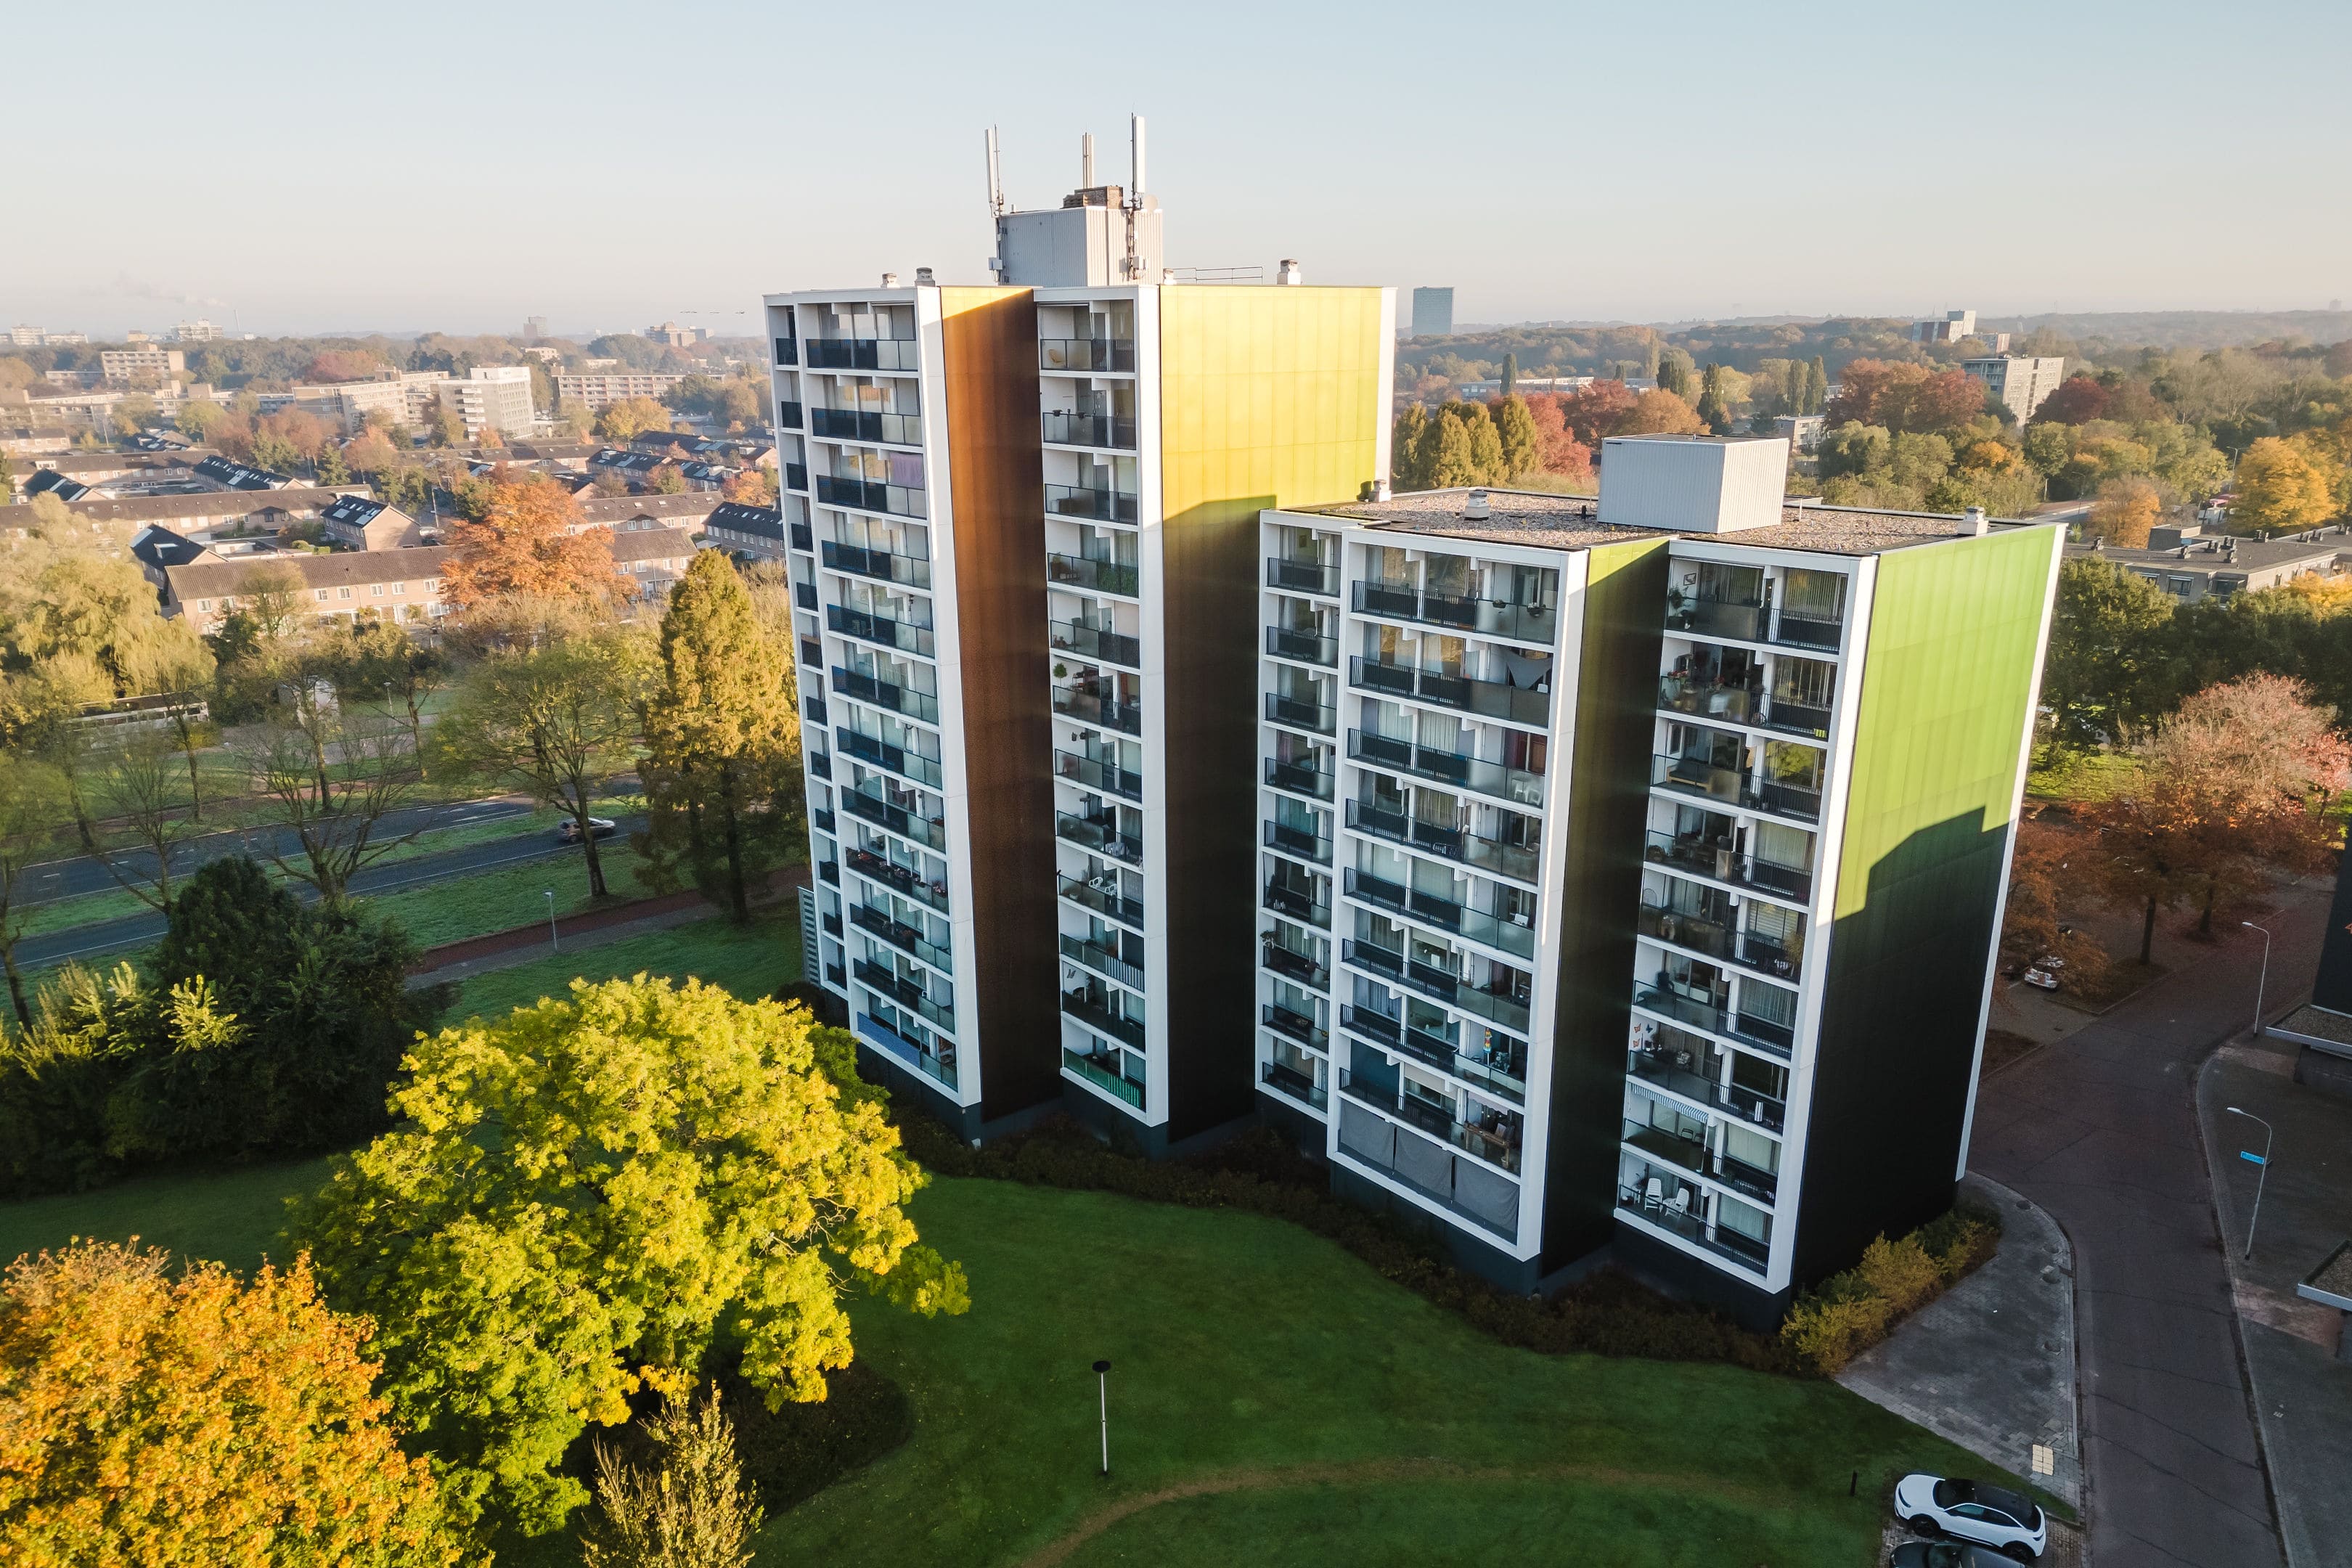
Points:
x=1102 y=1376
x=553 y=941
x=2263 y=980
x=2270 y=1135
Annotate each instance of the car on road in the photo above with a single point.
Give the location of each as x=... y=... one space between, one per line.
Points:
x=1989 y=1516
x=1944 y=1554
x=602 y=827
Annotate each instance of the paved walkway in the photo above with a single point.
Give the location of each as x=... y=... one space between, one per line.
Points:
x=1990 y=1362
x=2303 y=1394
x=2100 y=1130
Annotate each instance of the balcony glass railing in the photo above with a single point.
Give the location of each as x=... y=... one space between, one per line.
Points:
x=1486 y=698
x=1690 y=1222
x=1086 y=502
x=1105 y=1072
x=1092 y=1009
x=1090 y=641
x=1294 y=965
x=938 y=1064
x=1493 y=1137
x=1706 y=699
x=788 y=416
x=1709 y=781
x=788 y=351
x=1516 y=785
x=880 y=630
x=1089 y=572
x=1308 y=647
x=1103 y=961
x=926 y=831
x=1299 y=778
x=802 y=538
x=1302 y=713
x=1298 y=904
x=813 y=709
x=804 y=596
x=796 y=476
x=1488 y=618
x=1716 y=857
x=899 y=699
x=1295 y=1024
x=1097 y=774
x=905 y=991
x=820 y=762
x=883 y=565
x=824 y=820
x=1113 y=431
x=865 y=424
x=862 y=354
x=1292 y=1082
x=1739 y=619
x=901 y=879
x=883 y=754
x=1085 y=353
x=1717 y=939
x=1302 y=842
x=1101 y=834
x=1717 y=1017
x=1660 y=1069
x=1102 y=896
x=1303 y=576
x=900 y=935
x=872 y=495
x=1094 y=707
x=1516 y=861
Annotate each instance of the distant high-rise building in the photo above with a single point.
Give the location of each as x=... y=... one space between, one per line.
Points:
x=2020 y=382
x=491 y=397
x=534 y=327
x=198 y=332
x=24 y=337
x=1432 y=312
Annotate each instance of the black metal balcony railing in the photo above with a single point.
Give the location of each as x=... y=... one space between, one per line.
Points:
x=867 y=424
x=938 y=1064
x=1091 y=641
x=1297 y=1025
x=905 y=989
x=1718 y=939
x=1298 y=904
x=1106 y=1073
x=1710 y=781
x=1463 y=694
x=1807 y=631
x=880 y=630
x=1095 y=708
x=872 y=495
x=1089 y=572
x=1307 y=647
x=831 y=925
x=887 y=694
x=1717 y=1017
x=907 y=938
x=1303 y=576
x=1691 y=1224
x=1747 y=1180
x=1498 y=1145
x=1520 y=861
x=1302 y=713
x=862 y=354
x=1488 y=618
x=1303 y=842
x=1085 y=353
x=788 y=351
x=1291 y=962
x=1516 y=785
x=1105 y=430
x=1103 y=961
x=1103 y=897
x=884 y=565
x=1100 y=834
x=1739 y=703
x=926 y=831
x=796 y=476
x=1715 y=857
x=1657 y=1068
x=802 y=538
x=1098 y=775
x=788 y=416
x=883 y=754
x=1092 y=1009
x=1797 y=718
x=1299 y=778
x=902 y=879
x=1086 y=502
x=1292 y=1082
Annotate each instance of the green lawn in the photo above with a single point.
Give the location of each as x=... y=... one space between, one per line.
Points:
x=751 y=961
x=232 y=1216
x=507 y=895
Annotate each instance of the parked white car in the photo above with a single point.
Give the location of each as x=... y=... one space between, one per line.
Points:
x=1967 y=1511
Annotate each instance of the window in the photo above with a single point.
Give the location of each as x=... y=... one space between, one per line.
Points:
x=203 y=604
x=379 y=590
x=400 y=587
x=342 y=593
x=322 y=595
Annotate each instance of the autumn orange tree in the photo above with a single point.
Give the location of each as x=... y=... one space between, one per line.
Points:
x=2031 y=927
x=2240 y=781
x=529 y=543
x=184 y=1419
x=2126 y=508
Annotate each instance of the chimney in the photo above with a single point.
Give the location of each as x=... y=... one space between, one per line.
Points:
x=1475 y=510
x=1380 y=490
x=889 y=280
x=1288 y=273
x=923 y=278
x=1975 y=517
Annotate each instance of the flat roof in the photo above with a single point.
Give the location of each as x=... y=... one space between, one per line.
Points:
x=1544 y=520
x=2255 y=554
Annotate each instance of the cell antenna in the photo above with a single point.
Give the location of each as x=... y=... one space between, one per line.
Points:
x=995 y=177
x=1135 y=196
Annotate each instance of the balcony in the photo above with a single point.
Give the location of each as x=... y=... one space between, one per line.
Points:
x=899 y=879
x=1764 y=1033
x=1293 y=965
x=1463 y=694
x=1302 y=713
x=926 y=831
x=1299 y=778
x=1518 y=860
x=1296 y=1025
x=1110 y=431
x=1286 y=899
x=882 y=754
x=860 y=424
x=1303 y=576
x=1718 y=939
x=1488 y=618
x=872 y=495
x=829 y=872
x=1101 y=834
x=1091 y=573
x=1697 y=776
x=1515 y=785
x=802 y=538
x=1797 y=719
x=1088 y=1008
x=1740 y=620
x=1095 y=642
x=1665 y=1070
x=905 y=990
x=1299 y=841
x=883 y=565
x=1103 y=961
x=796 y=476
x=880 y=630
x=788 y=351
x=1715 y=857
x=1102 y=896
x=898 y=699
x=1692 y=1227
x=1103 y=1072
x=804 y=596
x=1806 y=631
x=1499 y=1143
x=1704 y=699
x=939 y=1065
x=811 y=654
x=1086 y=502
x=1082 y=356
x=813 y=709
x=1292 y=1082
x=862 y=354
x=788 y=416
x=1307 y=647
x=1093 y=708
x=824 y=820
x=1108 y=778
x=900 y=935
x=820 y=762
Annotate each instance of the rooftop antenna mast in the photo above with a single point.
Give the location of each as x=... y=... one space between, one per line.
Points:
x=996 y=207
x=1134 y=203
x=1086 y=162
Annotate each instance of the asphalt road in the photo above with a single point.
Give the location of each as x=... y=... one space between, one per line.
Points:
x=104 y=937
x=84 y=874
x=2101 y=1130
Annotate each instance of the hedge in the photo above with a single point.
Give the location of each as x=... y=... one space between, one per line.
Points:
x=1851 y=1311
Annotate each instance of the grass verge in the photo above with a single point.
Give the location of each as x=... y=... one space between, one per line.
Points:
x=751 y=961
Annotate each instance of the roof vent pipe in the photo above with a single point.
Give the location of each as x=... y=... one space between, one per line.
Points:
x=1975 y=517
x=1475 y=509
x=1288 y=273
x=925 y=278
x=1380 y=490
x=889 y=280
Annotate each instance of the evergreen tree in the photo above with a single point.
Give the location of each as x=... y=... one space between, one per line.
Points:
x=332 y=470
x=1515 y=424
x=1675 y=373
x=1485 y=457
x=1711 y=406
x=1405 y=470
x=1444 y=451
x=1510 y=375
x=1816 y=388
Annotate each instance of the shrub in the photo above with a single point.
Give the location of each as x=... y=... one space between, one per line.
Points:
x=1900 y=1272
x=1832 y=1326
x=1851 y=1311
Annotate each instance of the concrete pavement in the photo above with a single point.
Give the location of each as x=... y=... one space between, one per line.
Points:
x=2101 y=1130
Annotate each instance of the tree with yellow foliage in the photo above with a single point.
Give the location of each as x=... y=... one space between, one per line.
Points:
x=2126 y=508
x=626 y=418
x=529 y=543
x=2280 y=490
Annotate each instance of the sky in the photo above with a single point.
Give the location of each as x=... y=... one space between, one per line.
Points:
x=298 y=169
